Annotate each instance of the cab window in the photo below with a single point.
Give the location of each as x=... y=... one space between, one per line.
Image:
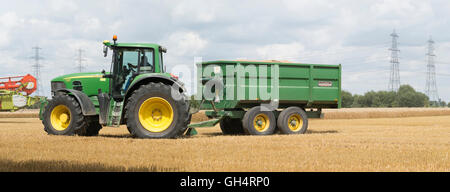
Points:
x=130 y=62
x=147 y=64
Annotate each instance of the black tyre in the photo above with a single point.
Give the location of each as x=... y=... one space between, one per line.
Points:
x=258 y=122
x=231 y=126
x=93 y=127
x=292 y=120
x=63 y=116
x=152 y=112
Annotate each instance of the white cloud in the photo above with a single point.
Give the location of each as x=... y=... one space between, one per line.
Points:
x=45 y=29
x=305 y=10
x=194 y=11
x=185 y=43
x=88 y=24
x=409 y=11
x=8 y=21
x=281 y=51
x=66 y=5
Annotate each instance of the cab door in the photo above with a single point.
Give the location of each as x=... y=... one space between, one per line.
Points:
x=125 y=68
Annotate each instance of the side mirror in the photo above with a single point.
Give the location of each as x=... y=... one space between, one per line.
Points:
x=162 y=49
x=105 y=51
x=106 y=75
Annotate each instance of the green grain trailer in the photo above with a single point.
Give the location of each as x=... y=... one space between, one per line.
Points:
x=238 y=95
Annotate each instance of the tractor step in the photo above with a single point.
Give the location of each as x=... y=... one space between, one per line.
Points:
x=116 y=114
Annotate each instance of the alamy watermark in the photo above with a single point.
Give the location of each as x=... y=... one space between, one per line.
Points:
x=233 y=81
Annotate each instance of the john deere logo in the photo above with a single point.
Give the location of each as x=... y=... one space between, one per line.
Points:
x=325 y=84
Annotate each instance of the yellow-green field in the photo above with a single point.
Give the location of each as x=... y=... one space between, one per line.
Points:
x=360 y=144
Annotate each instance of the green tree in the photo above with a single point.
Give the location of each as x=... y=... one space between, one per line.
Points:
x=408 y=97
x=384 y=99
x=368 y=99
x=346 y=99
x=357 y=101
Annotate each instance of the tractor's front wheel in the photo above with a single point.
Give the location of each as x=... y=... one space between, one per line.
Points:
x=63 y=116
x=153 y=112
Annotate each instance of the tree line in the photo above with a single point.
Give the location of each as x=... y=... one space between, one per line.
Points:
x=406 y=96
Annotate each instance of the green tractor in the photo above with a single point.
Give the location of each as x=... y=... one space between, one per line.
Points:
x=136 y=92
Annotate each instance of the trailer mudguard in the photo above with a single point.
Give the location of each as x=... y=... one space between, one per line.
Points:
x=87 y=107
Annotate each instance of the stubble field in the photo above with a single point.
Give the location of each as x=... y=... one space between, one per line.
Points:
x=342 y=141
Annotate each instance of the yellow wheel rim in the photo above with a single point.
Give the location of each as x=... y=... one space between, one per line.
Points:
x=156 y=114
x=261 y=122
x=60 y=117
x=295 y=122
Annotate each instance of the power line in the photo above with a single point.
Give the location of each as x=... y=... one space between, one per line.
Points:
x=386 y=70
x=37 y=69
x=338 y=52
x=430 y=87
x=80 y=60
x=442 y=62
x=394 y=79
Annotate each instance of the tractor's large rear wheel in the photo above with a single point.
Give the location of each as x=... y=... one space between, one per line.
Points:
x=153 y=112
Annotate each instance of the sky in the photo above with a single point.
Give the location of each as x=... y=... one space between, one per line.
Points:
x=353 y=33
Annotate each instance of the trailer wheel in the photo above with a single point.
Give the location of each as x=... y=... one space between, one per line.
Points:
x=63 y=116
x=292 y=120
x=258 y=122
x=231 y=126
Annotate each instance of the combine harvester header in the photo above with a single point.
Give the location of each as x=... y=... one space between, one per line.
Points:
x=15 y=92
x=26 y=84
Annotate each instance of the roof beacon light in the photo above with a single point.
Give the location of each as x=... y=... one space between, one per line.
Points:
x=114 y=38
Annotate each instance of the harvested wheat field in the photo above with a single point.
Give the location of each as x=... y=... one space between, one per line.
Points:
x=419 y=143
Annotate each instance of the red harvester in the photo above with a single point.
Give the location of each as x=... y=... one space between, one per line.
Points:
x=26 y=84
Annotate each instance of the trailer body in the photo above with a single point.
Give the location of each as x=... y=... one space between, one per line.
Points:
x=304 y=85
x=229 y=89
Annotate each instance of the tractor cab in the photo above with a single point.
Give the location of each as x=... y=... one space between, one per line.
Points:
x=130 y=60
